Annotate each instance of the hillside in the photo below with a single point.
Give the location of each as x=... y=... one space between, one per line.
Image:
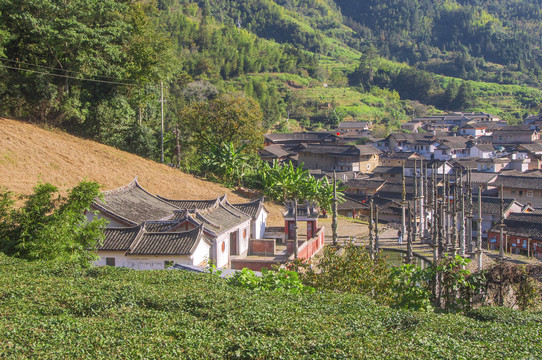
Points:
x=52 y=312
x=29 y=153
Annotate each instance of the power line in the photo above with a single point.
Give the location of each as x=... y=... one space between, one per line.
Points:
x=69 y=77
x=52 y=68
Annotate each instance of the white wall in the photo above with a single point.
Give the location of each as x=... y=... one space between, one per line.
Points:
x=152 y=262
x=258 y=229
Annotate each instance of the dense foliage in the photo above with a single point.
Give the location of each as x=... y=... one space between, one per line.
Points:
x=489 y=40
x=97 y=68
x=58 y=311
x=51 y=227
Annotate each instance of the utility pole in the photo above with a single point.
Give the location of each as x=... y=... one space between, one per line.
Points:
x=162 y=114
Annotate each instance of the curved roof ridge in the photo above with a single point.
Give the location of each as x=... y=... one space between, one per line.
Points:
x=99 y=207
x=200 y=216
x=230 y=211
x=123 y=188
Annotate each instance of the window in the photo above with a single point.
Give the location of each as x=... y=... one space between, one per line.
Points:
x=368 y=166
x=168 y=263
x=529 y=193
x=110 y=261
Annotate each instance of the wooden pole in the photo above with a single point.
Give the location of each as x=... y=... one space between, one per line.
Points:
x=334 y=210
x=377 y=242
x=371 y=245
x=501 y=240
x=479 y=250
x=296 y=248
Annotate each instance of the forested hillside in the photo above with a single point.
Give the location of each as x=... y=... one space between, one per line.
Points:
x=97 y=68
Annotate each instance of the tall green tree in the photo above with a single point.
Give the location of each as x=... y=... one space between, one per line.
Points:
x=51 y=227
x=226 y=119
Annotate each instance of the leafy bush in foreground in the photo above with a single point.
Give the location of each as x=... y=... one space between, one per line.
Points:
x=58 y=311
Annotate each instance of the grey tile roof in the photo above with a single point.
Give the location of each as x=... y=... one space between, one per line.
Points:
x=223 y=217
x=402 y=155
x=519 y=182
x=169 y=243
x=298 y=137
x=388 y=170
x=133 y=204
x=340 y=149
x=352 y=124
x=351 y=204
x=372 y=183
x=120 y=239
x=524 y=224
x=251 y=208
x=533 y=148
x=159 y=226
x=192 y=204
x=480 y=177
x=275 y=150
x=485 y=147
x=492 y=205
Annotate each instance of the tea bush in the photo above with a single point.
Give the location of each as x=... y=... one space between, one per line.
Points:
x=52 y=311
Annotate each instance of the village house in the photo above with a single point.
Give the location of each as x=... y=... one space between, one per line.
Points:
x=491 y=212
x=144 y=247
x=534 y=120
x=352 y=208
x=452 y=148
x=480 y=181
x=483 y=151
x=292 y=139
x=493 y=165
x=514 y=135
x=226 y=227
x=526 y=188
x=534 y=153
x=412 y=126
x=522 y=235
x=276 y=152
x=422 y=143
x=367 y=186
x=360 y=158
x=398 y=158
x=476 y=129
x=354 y=128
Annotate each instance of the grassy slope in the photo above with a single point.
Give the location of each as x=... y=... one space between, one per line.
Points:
x=29 y=154
x=60 y=312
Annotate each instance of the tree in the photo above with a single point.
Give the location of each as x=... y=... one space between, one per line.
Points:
x=465 y=96
x=51 y=227
x=226 y=162
x=224 y=120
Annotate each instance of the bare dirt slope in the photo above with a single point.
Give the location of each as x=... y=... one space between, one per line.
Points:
x=29 y=153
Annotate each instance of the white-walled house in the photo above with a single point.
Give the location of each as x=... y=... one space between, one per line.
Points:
x=136 y=248
x=482 y=151
x=259 y=213
x=225 y=229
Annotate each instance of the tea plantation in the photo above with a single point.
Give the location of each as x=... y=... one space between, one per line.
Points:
x=54 y=311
